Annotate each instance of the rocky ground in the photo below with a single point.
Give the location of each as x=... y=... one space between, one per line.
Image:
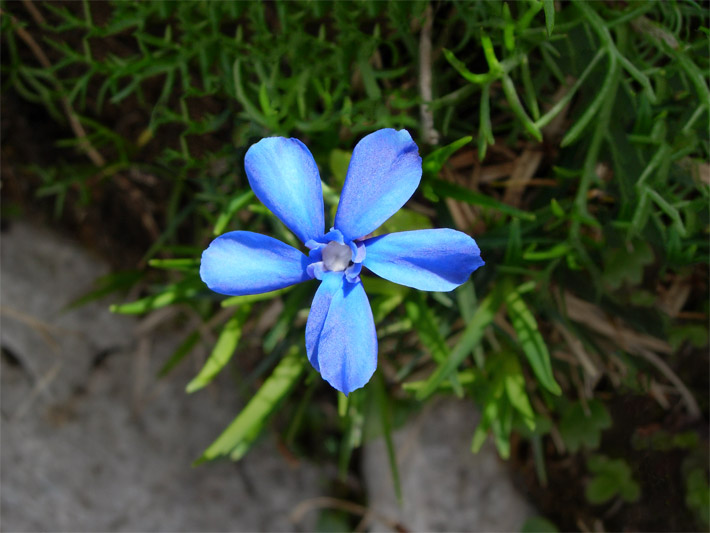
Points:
x=92 y=441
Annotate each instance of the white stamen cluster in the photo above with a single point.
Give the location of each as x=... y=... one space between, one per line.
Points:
x=336 y=256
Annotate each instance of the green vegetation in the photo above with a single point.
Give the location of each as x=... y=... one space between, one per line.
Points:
x=570 y=139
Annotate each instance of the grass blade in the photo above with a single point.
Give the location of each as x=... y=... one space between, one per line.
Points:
x=471 y=337
x=451 y=190
x=171 y=294
x=530 y=339
x=246 y=427
x=251 y=298
x=223 y=350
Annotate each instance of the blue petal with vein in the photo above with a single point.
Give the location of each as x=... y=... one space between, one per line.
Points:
x=242 y=262
x=428 y=260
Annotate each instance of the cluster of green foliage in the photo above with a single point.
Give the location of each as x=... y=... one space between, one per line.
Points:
x=624 y=209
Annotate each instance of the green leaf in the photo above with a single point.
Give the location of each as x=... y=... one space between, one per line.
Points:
x=485 y=129
x=559 y=250
x=511 y=96
x=434 y=162
x=605 y=95
x=235 y=204
x=251 y=298
x=471 y=337
x=697 y=494
x=173 y=293
x=351 y=411
x=508 y=29
x=185 y=348
x=294 y=302
x=577 y=428
x=106 y=285
x=530 y=339
x=246 y=427
x=338 y=162
x=451 y=190
x=405 y=220
x=478 y=79
x=514 y=382
x=384 y=411
x=538 y=524
x=497 y=416
x=375 y=285
x=626 y=264
x=188 y=263
x=613 y=477
x=424 y=323
x=549 y=7
x=222 y=351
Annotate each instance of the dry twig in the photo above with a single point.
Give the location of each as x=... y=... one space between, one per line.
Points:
x=431 y=136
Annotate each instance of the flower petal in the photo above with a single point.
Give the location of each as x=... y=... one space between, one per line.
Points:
x=428 y=260
x=384 y=172
x=285 y=178
x=242 y=262
x=340 y=334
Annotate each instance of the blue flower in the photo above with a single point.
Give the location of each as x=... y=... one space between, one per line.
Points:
x=384 y=172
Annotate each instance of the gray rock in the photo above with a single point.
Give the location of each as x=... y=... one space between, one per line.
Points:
x=444 y=486
x=91 y=441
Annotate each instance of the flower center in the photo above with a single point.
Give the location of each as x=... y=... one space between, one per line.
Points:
x=336 y=256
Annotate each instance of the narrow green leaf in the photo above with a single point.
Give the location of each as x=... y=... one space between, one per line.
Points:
x=171 y=294
x=511 y=96
x=246 y=427
x=501 y=426
x=427 y=329
x=350 y=409
x=249 y=107
x=556 y=208
x=549 y=7
x=451 y=190
x=106 y=285
x=294 y=302
x=485 y=129
x=514 y=383
x=384 y=411
x=669 y=210
x=466 y=299
x=252 y=298
x=530 y=92
x=606 y=93
x=513 y=249
x=368 y=79
x=237 y=203
x=471 y=337
x=508 y=29
x=530 y=340
x=187 y=263
x=558 y=250
x=222 y=351
x=478 y=79
x=490 y=54
x=434 y=162
x=567 y=98
x=185 y=348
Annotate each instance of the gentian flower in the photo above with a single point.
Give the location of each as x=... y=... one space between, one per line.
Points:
x=385 y=170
